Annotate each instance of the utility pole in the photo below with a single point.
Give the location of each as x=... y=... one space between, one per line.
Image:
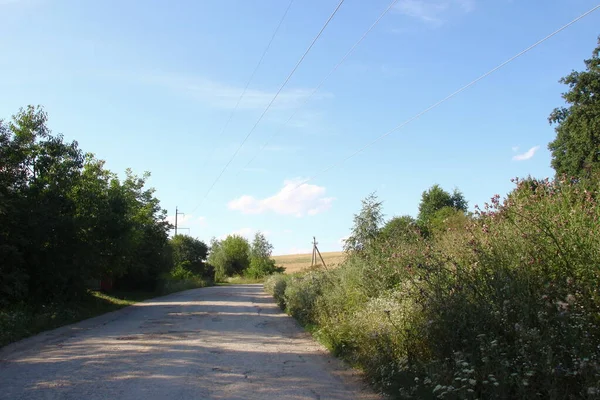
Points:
x=176 y=214
x=315 y=253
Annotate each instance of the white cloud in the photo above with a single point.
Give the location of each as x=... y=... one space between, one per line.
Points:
x=221 y=95
x=433 y=11
x=293 y=199
x=527 y=155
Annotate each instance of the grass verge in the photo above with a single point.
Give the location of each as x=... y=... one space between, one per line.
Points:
x=23 y=320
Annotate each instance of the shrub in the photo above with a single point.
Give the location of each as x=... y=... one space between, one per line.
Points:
x=276 y=285
x=229 y=257
x=261 y=267
x=301 y=294
x=502 y=305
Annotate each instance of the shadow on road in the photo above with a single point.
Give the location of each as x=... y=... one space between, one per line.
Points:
x=229 y=342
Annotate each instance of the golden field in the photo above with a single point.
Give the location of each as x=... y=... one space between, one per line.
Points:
x=298 y=262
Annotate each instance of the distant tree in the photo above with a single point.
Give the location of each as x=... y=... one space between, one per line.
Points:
x=399 y=229
x=260 y=248
x=576 y=149
x=447 y=218
x=261 y=263
x=230 y=256
x=367 y=224
x=190 y=253
x=435 y=199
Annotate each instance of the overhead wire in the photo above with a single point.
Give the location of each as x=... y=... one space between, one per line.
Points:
x=450 y=96
x=316 y=89
x=239 y=100
x=271 y=102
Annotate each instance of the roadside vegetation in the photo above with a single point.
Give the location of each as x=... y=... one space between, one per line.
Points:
x=235 y=260
x=500 y=303
x=68 y=226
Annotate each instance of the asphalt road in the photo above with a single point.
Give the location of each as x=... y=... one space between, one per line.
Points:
x=229 y=342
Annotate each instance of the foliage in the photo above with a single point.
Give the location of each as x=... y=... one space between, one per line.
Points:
x=261 y=267
x=366 y=225
x=260 y=248
x=448 y=218
x=190 y=254
x=504 y=305
x=402 y=228
x=276 y=285
x=435 y=199
x=261 y=263
x=576 y=149
x=65 y=220
x=229 y=257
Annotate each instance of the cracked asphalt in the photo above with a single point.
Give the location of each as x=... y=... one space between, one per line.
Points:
x=224 y=342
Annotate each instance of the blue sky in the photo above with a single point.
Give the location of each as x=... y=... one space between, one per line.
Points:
x=150 y=85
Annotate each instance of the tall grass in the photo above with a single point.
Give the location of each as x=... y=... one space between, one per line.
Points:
x=504 y=307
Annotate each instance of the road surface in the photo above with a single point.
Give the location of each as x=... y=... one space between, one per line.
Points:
x=228 y=342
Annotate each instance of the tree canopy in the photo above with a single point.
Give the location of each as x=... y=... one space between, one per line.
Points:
x=435 y=199
x=230 y=256
x=576 y=148
x=367 y=224
x=190 y=253
x=261 y=263
x=66 y=220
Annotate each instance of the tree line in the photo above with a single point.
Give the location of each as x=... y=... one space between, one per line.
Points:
x=234 y=255
x=67 y=222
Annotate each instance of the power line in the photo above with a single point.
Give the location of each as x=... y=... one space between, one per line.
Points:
x=322 y=82
x=435 y=105
x=239 y=100
x=272 y=101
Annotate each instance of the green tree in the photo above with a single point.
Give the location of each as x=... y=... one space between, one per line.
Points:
x=261 y=263
x=366 y=225
x=65 y=219
x=448 y=218
x=402 y=228
x=229 y=257
x=191 y=252
x=261 y=248
x=51 y=171
x=435 y=199
x=146 y=252
x=576 y=149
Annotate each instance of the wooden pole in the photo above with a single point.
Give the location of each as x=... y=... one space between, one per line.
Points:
x=321 y=257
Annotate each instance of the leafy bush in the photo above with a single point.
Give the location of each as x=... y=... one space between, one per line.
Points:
x=261 y=267
x=229 y=257
x=192 y=252
x=503 y=305
x=301 y=294
x=275 y=285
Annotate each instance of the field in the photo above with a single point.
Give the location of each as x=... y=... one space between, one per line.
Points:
x=298 y=262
